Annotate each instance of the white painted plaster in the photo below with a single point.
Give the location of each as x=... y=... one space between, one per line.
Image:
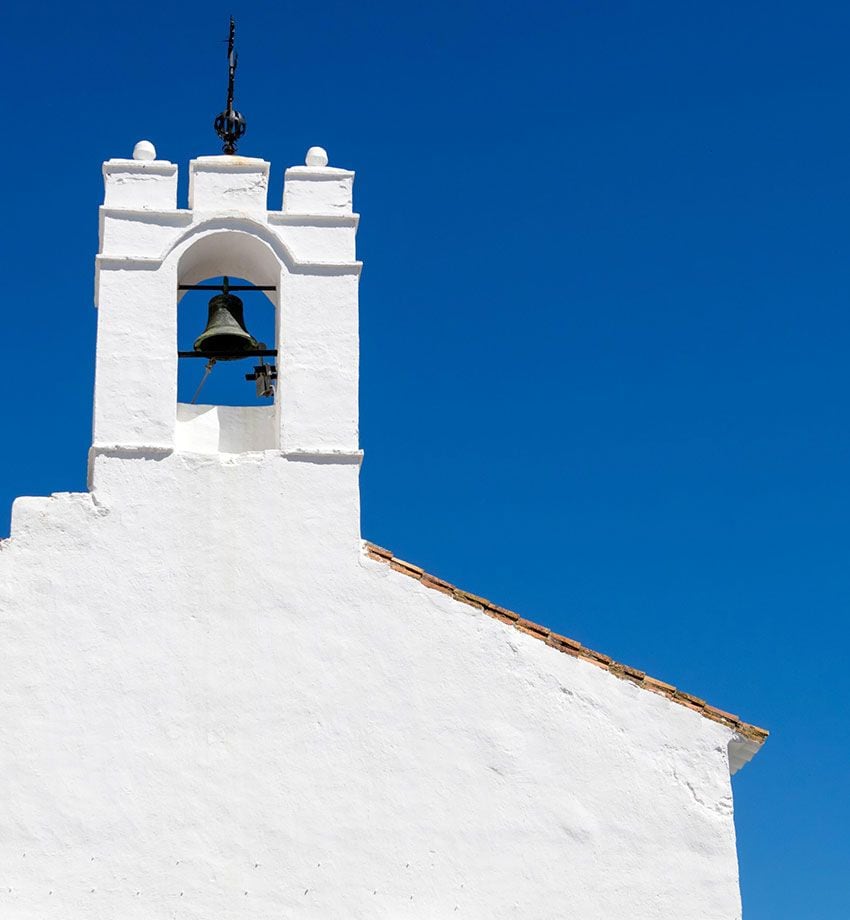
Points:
x=329 y=239
x=228 y=183
x=225 y=429
x=207 y=690
x=214 y=706
x=316 y=156
x=125 y=232
x=317 y=190
x=144 y=150
x=140 y=184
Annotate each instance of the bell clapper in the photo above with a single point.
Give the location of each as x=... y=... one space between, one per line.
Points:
x=207 y=371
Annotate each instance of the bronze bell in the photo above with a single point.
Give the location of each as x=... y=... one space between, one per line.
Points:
x=226 y=337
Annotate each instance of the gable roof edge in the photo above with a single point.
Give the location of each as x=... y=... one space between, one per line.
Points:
x=748 y=738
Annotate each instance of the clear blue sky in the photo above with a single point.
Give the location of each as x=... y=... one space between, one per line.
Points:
x=604 y=320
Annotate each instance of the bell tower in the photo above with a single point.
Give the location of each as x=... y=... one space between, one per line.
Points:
x=299 y=450
x=302 y=256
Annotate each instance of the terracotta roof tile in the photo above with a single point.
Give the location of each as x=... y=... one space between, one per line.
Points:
x=563 y=644
x=566 y=645
x=472 y=599
x=501 y=613
x=658 y=686
x=437 y=584
x=692 y=700
x=597 y=658
x=407 y=568
x=533 y=629
x=626 y=673
x=722 y=716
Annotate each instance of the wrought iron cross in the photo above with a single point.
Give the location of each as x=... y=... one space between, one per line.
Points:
x=229 y=124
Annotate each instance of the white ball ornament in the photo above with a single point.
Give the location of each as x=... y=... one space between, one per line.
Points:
x=144 y=150
x=317 y=156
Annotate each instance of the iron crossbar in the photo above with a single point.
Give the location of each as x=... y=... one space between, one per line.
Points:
x=229 y=356
x=229 y=287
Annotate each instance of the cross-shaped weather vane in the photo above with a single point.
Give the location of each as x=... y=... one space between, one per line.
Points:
x=229 y=124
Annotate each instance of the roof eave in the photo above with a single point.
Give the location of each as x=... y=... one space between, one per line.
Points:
x=747 y=739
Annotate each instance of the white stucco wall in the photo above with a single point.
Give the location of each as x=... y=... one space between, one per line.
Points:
x=214 y=705
x=224 y=429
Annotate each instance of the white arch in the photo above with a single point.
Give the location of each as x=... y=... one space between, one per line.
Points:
x=235 y=246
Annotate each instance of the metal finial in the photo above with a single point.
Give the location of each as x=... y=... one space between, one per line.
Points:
x=229 y=124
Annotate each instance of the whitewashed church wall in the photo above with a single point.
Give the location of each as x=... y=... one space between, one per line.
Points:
x=213 y=704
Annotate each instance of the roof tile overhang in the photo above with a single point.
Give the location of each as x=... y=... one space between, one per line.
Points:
x=750 y=737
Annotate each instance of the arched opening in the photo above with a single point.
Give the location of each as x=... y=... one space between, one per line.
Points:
x=210 y=377
x=228 y=293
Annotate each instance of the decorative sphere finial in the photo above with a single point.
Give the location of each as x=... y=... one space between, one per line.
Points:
x=316 y=156
x=144 y=150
